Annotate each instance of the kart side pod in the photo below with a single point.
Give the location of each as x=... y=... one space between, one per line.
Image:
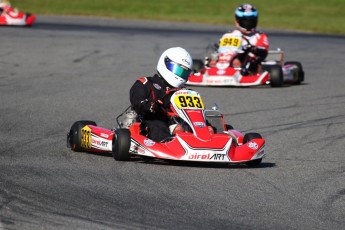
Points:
x=86 y=136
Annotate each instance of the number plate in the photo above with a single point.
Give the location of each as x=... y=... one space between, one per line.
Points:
x=189 y=102
x=86 y=137
x=230 y=41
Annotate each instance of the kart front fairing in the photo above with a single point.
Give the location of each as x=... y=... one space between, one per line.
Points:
x=200 y=144
x=220 y=75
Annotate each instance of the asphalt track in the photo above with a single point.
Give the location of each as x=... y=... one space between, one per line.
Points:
x=66 y=69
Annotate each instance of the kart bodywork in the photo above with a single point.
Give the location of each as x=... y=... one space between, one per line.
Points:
x=12 y=17
x=273 y=71
x=221 y=144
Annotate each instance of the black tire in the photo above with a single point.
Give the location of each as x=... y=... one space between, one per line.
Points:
x=248 y=137
x=254 y=163
x=228 y=127
x=276 y=76
x=198 y=65
x=121 y=144
x=300 y=71
x=74 y=136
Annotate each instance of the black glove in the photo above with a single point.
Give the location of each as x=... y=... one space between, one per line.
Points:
x=155 y=106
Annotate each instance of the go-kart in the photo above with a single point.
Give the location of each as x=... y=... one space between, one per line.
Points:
x=271 y=71
x=204 y=137
x=10 y=16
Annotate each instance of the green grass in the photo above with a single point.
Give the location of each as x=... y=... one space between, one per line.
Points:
x=304 y=15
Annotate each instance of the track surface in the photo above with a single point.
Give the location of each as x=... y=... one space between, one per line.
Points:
x=66 y=69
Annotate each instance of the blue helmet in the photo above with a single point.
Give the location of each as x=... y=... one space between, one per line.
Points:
x=247 y=17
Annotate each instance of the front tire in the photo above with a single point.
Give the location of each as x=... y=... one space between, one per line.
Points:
x=276 y=76
x=228 y=127
x=74 y=136
x=248 y=137
x=254 y=163
x=121 y=144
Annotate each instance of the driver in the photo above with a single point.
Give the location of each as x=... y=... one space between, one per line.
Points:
x=4 y=6
x=254 y=43
x=150 y=96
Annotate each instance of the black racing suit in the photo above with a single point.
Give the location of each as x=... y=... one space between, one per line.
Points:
x=150 y=99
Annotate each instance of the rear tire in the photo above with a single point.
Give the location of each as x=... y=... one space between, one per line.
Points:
x=300 y=71
x=228 y=127
x=121 y=144
x=198 y=65
x=248 y=137
x=74 y=136
x=276 y=76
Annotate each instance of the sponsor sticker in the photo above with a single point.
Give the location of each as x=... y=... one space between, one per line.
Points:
x=199 y=124
x=149 y=142
x=253 y=145
x=186 y=61
x=99 y=143
x=207 y=156
x=141 y=151
x=221 y=72
x=157 y=86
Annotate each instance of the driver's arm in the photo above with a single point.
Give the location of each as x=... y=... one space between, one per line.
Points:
x=140 y=99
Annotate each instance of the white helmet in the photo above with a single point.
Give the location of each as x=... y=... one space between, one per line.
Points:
x=175 y=66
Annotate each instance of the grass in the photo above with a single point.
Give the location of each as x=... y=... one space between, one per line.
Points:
x=304 y=15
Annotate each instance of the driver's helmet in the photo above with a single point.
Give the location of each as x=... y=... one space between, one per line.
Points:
x=246 y=17
x=4 y=3
x=175 y=66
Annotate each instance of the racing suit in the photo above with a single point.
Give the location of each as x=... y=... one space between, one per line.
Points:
x=254 y=50
x=150 y=99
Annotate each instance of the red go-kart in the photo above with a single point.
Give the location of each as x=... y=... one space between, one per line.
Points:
x=10 y=16
x=204 y=137
x=271 y=72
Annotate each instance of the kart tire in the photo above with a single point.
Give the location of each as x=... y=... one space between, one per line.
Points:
x=121 y=144
x=254 y=163
x=248 y=137
x=276 y=76
x=300 y=71
x=74 y=136
x=198 y=65
x=228 y=127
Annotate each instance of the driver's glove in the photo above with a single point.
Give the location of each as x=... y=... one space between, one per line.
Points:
x=155 y=105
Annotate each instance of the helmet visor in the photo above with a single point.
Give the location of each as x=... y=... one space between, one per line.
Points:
x=248 y=23
x=177 y=69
